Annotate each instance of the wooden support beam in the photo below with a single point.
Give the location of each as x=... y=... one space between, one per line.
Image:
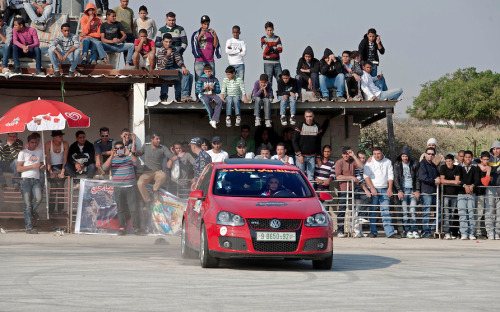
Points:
x=373 y=119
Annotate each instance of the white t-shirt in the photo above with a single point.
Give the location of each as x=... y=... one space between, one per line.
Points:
x=234 y=55
x=285 y=160
x=219 y=157
x=30 y=158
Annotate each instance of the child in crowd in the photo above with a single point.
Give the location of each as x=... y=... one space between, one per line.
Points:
x=125 y=16
x=64 y=49
x=287 y=87
x=145 y=22
x=207 y=88
x=262 y=94
x=271 y=44
x=236 y=50
x=145 y=51
x=369 y=47
x=204 y=43
x=470 y=179
x=233 y=89
x=90 y=37
x=450 y=177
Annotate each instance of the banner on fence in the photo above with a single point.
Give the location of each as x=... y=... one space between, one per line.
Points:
x=97 y=212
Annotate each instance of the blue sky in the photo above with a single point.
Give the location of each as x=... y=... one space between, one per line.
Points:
x=423 y=39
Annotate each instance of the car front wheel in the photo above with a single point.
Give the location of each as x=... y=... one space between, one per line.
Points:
x=324 y=264
x=206 y=260
x=186 y=251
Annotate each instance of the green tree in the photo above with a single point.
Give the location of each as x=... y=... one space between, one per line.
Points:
x=465 y=96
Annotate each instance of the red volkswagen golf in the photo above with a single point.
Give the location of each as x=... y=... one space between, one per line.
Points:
x=249 y=208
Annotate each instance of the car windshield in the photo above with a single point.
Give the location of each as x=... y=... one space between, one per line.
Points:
x=255 y=182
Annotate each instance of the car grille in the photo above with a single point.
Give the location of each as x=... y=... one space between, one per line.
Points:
x=312 y=244
x=286 y=224
x=277 y=247
x=237 y=243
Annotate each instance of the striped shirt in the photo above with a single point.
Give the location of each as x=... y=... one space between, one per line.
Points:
x=324 y=172
x=358 y=173
x=173 y=61
x=8 y=152
x=233 y=87
x=179 y=38
x=122 y=171
x=272 y=48
x=203 y=81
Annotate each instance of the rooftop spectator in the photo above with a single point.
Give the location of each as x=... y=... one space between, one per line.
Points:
x=125 y=16
x=64 y=49
x=16 y=7
x=179 y=38
x=261 y=95
x=9 y=150
x=208 y=88
x=281 y=154
x=287 y=89
x=371 y=91
x=5 y=42
x=90 y=37
x=145 y=22
x=145 y=52
x=181 y=166
x=470 y=179
x=217 y=153
x=324 y=170
x=245 y=137
x=201 y=161
x=56 y=151
x=265 y=152
x=271 y=44
x=103 y=148
x=450 y=177
x=204 y=44
x=428 y=176
x=308 y=73
x=369 y=47
x=233 y=91
x=352 y=72
x=102 y=6
x=168 y=57
x=26 y=44
x=39 y=12
x=113 y=37
x=241 y=151
x=438 y=159
x=236 y=50
x=331 y=76
x=81 y=157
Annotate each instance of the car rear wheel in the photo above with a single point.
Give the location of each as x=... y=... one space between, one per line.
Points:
x=186 y=251
x=324 y=264
x=206 y=260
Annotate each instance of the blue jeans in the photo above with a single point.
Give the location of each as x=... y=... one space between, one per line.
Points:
x=182 y=85
x=240 y=71
x=272 y=70
x=342 y=201
x=466 y=205
x=449 y=205
x=382 y=200
x=373 y=73
x=198 y=69
x=69 y=169
x=302 y=83
x=267 y=107
x=292 y=100
x=5 y=53
x=73 y=58
x=307 y=166
x=35 y=53
x=127 y=203
x=31 y=190
x=127 y=48
x=95 y=46
x=230 y=101
x=30 y=10
x=10 y=167
x=409 y=206
x=380 y=83
x=338 y=82
x=392 y=94
x=428 y=204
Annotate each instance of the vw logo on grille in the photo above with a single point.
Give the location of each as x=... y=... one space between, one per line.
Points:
x=275 y=223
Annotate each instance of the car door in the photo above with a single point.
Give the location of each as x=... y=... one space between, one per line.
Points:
x=199 y=206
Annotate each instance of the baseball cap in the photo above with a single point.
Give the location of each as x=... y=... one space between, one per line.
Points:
x=56 y=133
x=196 y=141
x=205 y=18
x=217 y=139
x=241 y=144
x=345 y=149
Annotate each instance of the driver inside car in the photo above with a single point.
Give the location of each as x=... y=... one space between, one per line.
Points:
x=274 y=186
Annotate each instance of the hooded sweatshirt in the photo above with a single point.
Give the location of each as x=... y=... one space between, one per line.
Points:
x=302 y=64
x=495 y=165
x=399 y=172
x=331 y=70
x=364 y=46
x=90 y=28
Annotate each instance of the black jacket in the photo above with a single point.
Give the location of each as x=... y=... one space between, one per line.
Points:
x=398 y=172
x=470 y=177
x=363 y=49
x=286 y=88
x=332 y=70
x=307 y=139
x=302 y=64
x=74 y=151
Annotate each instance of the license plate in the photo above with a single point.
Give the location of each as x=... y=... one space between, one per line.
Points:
x=276 y=236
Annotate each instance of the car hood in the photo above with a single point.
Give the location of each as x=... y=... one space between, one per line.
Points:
x=282 y=208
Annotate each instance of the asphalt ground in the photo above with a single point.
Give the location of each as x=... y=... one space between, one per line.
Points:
x=46 y=272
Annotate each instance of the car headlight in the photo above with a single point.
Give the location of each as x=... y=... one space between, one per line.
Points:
x=319 y=219
x=229 y=218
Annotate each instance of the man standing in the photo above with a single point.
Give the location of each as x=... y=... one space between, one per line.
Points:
x=216 y=153
x=179 y=38
x=493 y=193
x=29 y=164
x=8 y=154
x=306 y=142
x=201 y=161
x=466 y=204
x=245 y=137
x=121 y=164
x=379 y=176
x=154 y=154
x=429 y=178
x=103 y=149
x=181 y=168
x=281 y=154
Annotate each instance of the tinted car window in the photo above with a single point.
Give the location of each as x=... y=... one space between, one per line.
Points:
x=256 y=182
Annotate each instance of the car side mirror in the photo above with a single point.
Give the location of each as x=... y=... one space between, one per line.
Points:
x=198 y=194
x=325 y=196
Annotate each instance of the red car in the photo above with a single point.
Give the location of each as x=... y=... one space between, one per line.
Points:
x=256 y=208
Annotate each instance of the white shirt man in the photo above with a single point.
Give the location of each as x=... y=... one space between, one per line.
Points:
x=217 y=154
x=380 y=172
x=281 y=155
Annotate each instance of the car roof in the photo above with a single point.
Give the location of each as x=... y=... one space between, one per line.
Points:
x=249 y=163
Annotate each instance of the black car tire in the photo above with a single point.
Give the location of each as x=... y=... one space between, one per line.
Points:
x=324 y=264
x=186 y=251
x=206 y=260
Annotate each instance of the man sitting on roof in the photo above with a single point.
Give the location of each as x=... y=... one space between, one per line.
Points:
x=39 y=12
x=25 y=44
x=113 y=38
x=91 y=37
x=16 y=7
x=371 y=91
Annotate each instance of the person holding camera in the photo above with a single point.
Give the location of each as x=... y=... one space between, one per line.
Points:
x=369 y=47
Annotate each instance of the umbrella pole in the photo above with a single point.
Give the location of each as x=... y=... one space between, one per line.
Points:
x=45 y=177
